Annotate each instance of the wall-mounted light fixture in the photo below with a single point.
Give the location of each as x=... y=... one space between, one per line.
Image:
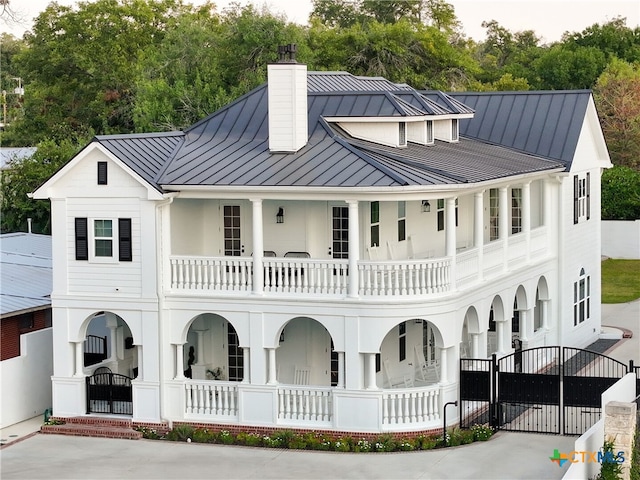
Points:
x=280 y=215
x=426 y=206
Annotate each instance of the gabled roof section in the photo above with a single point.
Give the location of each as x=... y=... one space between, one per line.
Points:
x=542 y=123
x=145 y=153
x=448 y=102
x=25 y=272
x=328 y=82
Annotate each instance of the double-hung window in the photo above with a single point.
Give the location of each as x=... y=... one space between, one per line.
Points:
x=582 y=298
x=103 y=240
x=581 y=198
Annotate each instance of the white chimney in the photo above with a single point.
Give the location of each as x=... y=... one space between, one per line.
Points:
x=287 y=92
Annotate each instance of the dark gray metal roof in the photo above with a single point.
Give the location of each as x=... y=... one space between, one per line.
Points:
x=542 y=123
x=145 y=153
x=25 y=272
x=230 y=147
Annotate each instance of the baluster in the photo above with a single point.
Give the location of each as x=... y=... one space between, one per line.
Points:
x=180 y=267
x=410 y=273
x=412 y=402
x=309 y=406
x=225 y=407
x=392 y=414
x=189 y=401
x=420 y=407
x=232 y=404
x=403 y=272
x=385 y=409
x=205 y=274
x=207 y=399
x=200 y=405
x=287 y=404
x=198 y=267
x=280 y=404
x=174 y=273
x=431 y=406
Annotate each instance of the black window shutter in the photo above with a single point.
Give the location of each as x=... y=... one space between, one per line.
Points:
x=102 y=173
x=124 y=238
x=588 y=196
x=576 y=199
x=82 y=244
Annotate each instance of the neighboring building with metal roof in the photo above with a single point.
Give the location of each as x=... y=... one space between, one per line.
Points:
x=322 y=251
x=25 y=326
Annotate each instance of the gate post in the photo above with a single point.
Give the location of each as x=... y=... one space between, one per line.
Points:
x=493 y=388
x=87 y=394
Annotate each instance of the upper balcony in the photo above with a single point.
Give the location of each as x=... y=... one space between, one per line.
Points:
x=359 y=249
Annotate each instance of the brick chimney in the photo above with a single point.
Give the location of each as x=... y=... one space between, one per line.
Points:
x=287 y=92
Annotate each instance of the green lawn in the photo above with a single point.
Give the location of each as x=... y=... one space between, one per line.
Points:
x=620 y=280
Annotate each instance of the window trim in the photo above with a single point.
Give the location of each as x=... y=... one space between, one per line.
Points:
x=121 y=240
x=102 y=173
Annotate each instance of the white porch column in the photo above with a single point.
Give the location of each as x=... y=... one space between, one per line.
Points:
x=444 y=368
x=450 y=227
x=179 y=361
x=258 y=247
x=354 y=249
x=503 y=224
x=140 y=363
x=545 y=314
x=200 y=351
x=526 y=216
x=272 y=380
x=340 y=370
x=478 y=230
x=526 y=324
x=500 y=332
x=112 y=325
x=475 y=337
x=246 y=362
x=546 y=203
x=79 y=359
x=370 y=383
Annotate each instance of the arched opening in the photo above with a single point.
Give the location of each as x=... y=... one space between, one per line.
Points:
x=212 y=350
x=409 y=355
x=469 y=342
x=540 y=311
x=109 y=344
x=496 y=327
x=306 y=355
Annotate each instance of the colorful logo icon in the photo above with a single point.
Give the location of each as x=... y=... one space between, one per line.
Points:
x=559 y=458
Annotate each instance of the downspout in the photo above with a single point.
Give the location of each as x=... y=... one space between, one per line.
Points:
x=160 y=293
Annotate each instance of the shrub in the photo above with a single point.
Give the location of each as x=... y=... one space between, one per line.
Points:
x=203 y=435
x=180 y=433
x=362 y=445
x=226 y=437
x=482 y=432
x=149 y=433
x=426 y=442
x=611 y=470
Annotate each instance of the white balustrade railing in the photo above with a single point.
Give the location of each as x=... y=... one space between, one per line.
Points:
x=404 y=277
x=306 y=276
x=411 y=405
x=218 y=399
x=206 y=273
x=305 y=404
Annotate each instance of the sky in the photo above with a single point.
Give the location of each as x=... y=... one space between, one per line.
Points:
x=549 y=19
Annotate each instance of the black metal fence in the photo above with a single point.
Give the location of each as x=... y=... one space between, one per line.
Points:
x=95 y=350
x=109 y=393
x=543 y=389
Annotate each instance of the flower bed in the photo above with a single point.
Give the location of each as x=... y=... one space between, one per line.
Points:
x=320 y=440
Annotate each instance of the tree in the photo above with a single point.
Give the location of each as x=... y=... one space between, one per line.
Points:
x=79 y=66
x=617 y=97
x=23 y=176
x=620 y=189
x=613 y=38
x=565 y=68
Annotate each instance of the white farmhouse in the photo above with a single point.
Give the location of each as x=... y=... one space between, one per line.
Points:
x=321 y=252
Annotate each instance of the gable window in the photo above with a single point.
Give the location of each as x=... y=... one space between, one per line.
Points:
x=109 y=239
x=440 y=214
x=402 y=221
x=494 y=210
x=581 y=198
x=454 y=130
x=430 y=131
x=582 y=298
x=102 y=173
x=375 y=224
x=402 y=134
x=516 y=210
x=402 y=341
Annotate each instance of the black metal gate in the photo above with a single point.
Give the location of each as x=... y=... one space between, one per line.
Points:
x=543 y=389
x=109 y=393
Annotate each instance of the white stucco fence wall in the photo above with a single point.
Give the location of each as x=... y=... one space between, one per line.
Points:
x=25 y=381
x=621 y=239
x=624 y=390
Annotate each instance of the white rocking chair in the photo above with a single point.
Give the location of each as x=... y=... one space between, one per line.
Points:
x=301 y=375
x=428 y=372
x=398 y=382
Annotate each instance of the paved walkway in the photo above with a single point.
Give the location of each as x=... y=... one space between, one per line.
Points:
x=506 y=456
x=28 y=455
